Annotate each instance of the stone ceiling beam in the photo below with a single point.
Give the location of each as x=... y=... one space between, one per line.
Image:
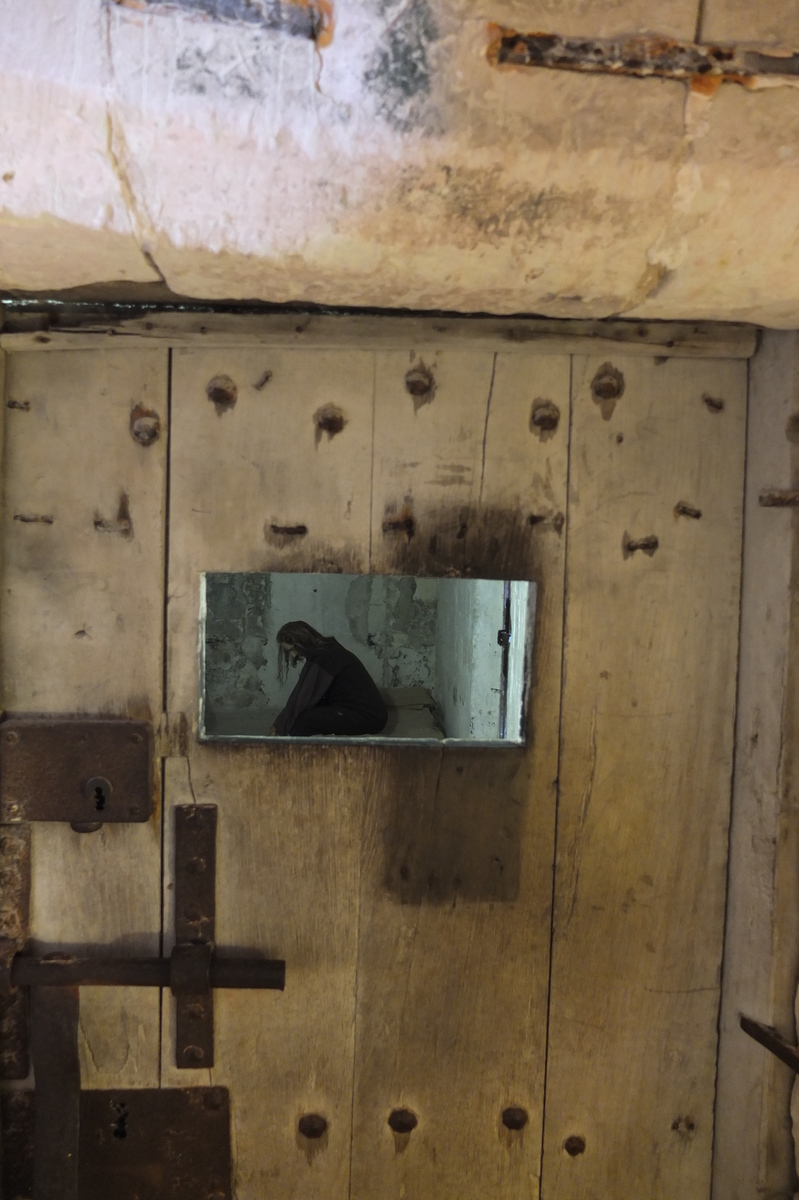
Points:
x=378 y=156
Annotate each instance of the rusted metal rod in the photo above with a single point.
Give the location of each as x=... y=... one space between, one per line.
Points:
x=27 y=971
x=643 y=55
x=768 y=1037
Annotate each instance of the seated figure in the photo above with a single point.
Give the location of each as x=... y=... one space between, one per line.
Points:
x=335 y=694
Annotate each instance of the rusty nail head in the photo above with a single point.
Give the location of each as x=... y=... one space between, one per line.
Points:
x=12 y=737
x=194 y=1052
x=608 y=383
x=402 y=1120
x=420 y=381
x=145 y=426
x=223 y=392
x=312 y=1125
x=545 y=415
x=195 y=866
x=514 y=1117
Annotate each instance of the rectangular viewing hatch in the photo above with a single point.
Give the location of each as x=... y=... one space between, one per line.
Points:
x=438 y=660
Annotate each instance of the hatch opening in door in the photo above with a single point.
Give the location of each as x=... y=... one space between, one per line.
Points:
x=364 y=658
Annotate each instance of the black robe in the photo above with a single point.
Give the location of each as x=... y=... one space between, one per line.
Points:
x=333 y=678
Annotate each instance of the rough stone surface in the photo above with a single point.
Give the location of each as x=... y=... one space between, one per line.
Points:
x=392 y=166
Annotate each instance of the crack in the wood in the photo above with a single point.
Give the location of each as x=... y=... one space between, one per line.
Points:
x=575 y=849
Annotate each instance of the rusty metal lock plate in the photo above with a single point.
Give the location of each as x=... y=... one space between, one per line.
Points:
x=81 y=770
x=144 y=1144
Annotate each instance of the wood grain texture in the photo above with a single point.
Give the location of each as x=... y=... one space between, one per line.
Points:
x=510 y=335
x=289 y=817
x=242 y=474
x=646 y=761
x=287 y=887
x=464 y=482
x=778 y=1162
x=458 y=844
x=427 y=457
x=81 y=622
x=753 y=1150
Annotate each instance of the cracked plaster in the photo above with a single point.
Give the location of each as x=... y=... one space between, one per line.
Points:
x=393 y=167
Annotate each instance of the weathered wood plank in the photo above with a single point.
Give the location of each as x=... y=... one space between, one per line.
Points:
x=430 y=419
x=753 y=1150
x=259 y=485
x=81 y=627
x=289 y=817
x=646 y=761
x=457 y=845
x=463 y=483
x=519 y=335
x=287 y=887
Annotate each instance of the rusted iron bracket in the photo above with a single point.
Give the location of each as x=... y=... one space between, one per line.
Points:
x=65 y=970
x=768 y=1037
x=195 y=929
x=56 y=1067
x=79 y=770
x=133 y=1144
x=643 y=56
x=192 y=972
x=87 y=772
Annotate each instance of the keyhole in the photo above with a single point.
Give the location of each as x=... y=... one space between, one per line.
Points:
x=98 y=790
x=119 y=1128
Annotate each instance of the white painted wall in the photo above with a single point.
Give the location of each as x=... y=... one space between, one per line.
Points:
x=468 y=658
x=522 y=623
x=453 y=650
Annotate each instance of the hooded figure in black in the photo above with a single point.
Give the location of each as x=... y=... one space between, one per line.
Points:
x=334 y=694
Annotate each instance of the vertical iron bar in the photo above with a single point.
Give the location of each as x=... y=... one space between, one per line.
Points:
x=195 y=923
x=56 y=1068
x=503 y=671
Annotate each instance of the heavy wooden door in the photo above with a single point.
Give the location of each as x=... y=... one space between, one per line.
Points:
x=410 y=891
x=653 y=577
x=361 y=865
x=81 y=622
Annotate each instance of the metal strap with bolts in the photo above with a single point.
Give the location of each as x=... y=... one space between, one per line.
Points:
x=192 y=972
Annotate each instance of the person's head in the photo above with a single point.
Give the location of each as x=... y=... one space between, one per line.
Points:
x=296 y=640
